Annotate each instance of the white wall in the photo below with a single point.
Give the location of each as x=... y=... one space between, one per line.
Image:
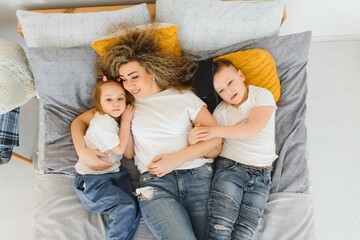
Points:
x=327 y=19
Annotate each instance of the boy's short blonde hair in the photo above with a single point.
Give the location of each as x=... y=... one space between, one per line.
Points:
x=221 y=63
x=97 y=93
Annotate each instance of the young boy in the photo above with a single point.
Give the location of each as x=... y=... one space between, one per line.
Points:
x=109 y=191
x=242 y=179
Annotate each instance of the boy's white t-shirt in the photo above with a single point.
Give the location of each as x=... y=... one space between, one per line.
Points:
x=161 y=125
x=102 y=134
x=256 y=151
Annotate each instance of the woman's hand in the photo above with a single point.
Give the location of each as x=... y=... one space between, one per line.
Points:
x=128 y=113
x=162 y=165
x=91 y=158
x=197 y=134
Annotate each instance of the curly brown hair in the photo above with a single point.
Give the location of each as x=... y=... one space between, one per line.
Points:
x=141 y=45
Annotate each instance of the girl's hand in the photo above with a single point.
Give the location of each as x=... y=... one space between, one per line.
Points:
x=162 y=165
x=197 y=134
x=128 y=113
x=91 y=158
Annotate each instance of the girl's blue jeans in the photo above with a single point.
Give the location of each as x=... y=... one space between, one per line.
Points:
x=175 y=206
x=110 y=194
x=237 y=200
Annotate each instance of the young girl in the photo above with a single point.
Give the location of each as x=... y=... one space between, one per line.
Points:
x=242 y=179
x=109 y=191
x=175 y=178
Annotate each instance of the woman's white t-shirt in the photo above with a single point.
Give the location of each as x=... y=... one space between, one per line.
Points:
x=161 y=125
x=256 y=151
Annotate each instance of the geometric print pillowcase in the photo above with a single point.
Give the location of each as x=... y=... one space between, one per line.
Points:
x=67 y=30
x=212 y=25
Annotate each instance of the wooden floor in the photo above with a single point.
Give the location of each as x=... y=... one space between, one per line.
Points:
x=333 y=115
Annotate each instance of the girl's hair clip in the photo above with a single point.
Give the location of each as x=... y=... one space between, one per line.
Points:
x=118 y=79
x=105 y=79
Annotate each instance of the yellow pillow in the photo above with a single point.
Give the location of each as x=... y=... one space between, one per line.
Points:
x=166 y=33
x=258 y=67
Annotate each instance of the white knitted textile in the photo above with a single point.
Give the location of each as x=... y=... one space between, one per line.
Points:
x=16 y=80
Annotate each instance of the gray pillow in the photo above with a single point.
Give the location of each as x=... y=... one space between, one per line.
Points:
x=64 y=78
x=291 y=54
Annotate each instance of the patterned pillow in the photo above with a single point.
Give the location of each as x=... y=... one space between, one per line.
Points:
x=75 y=29
x=258 y=67
x=64 y=78
x=167 y=35
x=211 y=25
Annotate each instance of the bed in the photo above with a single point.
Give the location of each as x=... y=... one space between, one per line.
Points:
x=62 y=62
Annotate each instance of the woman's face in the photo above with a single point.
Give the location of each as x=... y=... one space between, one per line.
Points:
x=137 y=80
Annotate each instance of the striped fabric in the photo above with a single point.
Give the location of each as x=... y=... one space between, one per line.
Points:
x=60 y=215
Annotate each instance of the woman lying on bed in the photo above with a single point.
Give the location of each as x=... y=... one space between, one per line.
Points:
x=175 y=178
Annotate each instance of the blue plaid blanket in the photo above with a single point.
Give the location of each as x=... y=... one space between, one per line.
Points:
x=9 y=134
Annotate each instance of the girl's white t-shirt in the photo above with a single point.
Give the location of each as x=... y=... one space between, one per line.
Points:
x=102 y=134
x=256 y=151
x=161 y=125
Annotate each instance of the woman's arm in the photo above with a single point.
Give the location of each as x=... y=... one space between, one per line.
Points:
x=164 y=164
x=90 y=156
x=204 y=118
x=129 y=151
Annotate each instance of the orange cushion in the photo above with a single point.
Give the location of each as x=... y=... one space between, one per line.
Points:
x=167 y=35
x=258 y=67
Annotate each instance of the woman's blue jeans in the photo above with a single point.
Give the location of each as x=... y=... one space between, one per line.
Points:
x=175 y=206
x=237 y=200
x=110 y=194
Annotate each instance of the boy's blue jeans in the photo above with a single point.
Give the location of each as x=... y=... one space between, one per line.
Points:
x=238 y=199
x=175 y=206
x=110 y=194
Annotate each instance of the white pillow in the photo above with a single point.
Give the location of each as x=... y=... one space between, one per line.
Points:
x=211 y=25
x=76 y=29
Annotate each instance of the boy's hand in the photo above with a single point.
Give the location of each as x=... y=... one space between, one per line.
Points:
x=128 y=113
x=162 y=165
x=197 y=134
